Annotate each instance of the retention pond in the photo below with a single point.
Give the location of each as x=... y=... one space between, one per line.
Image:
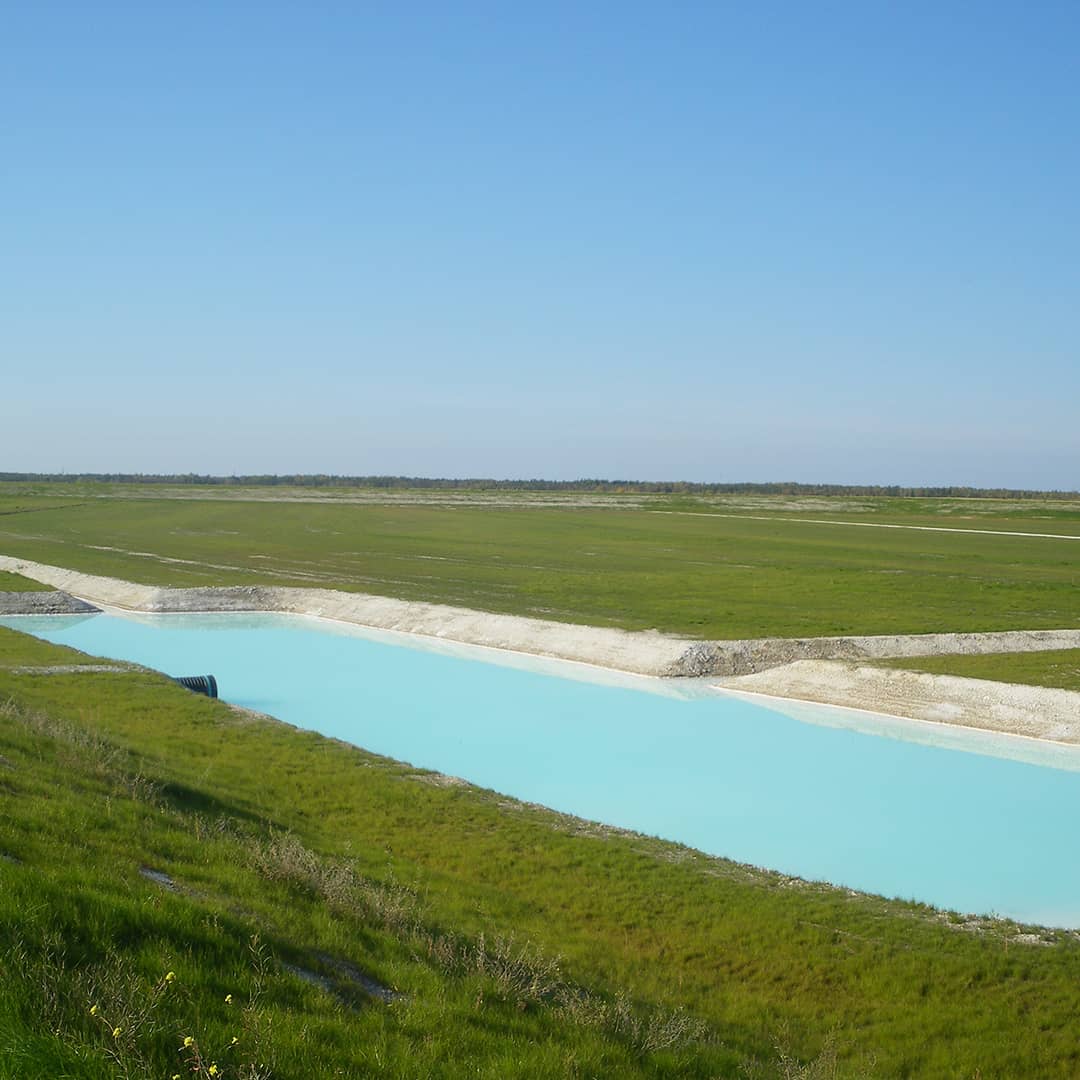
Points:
x=967 y=821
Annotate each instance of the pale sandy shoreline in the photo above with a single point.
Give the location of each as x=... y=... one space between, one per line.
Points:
x=820 y=670
x=1035 y=712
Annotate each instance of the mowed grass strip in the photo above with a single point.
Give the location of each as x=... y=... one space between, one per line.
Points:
x=327 y=851
x=1060 y=517
x=1058 y=514
x=695 y=574
x=1053 y=667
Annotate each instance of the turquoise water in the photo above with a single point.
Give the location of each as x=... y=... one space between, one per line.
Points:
x=870 y=803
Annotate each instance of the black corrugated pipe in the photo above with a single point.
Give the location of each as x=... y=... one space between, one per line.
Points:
x=201 y=684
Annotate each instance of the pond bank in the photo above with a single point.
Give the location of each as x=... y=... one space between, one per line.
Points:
x=792 y=668
x=43 y=603
x=1037 y=712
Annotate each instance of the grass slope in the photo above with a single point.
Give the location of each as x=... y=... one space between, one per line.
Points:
x=286 y=848
x=18 y=583
x=753 y=573
x=1054 y=667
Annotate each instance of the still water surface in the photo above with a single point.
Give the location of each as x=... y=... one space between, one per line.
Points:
x=970 y=822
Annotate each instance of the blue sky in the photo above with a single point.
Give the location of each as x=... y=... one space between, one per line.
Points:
x=819 y=242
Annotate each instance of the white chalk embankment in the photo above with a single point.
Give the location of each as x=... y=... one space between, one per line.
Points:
x=806 y=669
x=1036 y=711
x=644 y=653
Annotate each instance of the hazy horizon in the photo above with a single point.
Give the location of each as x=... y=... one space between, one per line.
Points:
x=435 y=483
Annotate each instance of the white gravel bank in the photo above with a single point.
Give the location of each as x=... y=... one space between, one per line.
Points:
x=807 y=669
x=1036 y=711
x=648 y=653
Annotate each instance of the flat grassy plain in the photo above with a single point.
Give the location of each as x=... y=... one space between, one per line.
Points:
x=1053 y=667
x=288 y=852
x=748 y=566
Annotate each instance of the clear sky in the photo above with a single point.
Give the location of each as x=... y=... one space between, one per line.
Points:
x=701 y=241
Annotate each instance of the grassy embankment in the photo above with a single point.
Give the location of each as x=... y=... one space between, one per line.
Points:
x=705 y=568
x=1054 y=667
x=672 y=963
x=18 y=583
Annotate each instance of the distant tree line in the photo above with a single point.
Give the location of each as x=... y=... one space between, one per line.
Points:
x=649 y=487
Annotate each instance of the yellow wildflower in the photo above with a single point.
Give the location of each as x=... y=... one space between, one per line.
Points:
x=170 y=976
x=93 y=1010
x=235 y=1040
x=213 y=1070
x=188 y=1040
x=116 y=1032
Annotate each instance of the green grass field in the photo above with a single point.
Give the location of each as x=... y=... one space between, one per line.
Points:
x=747 y=567
x=18 y=583
x=521 y=943
x=1053 y=667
